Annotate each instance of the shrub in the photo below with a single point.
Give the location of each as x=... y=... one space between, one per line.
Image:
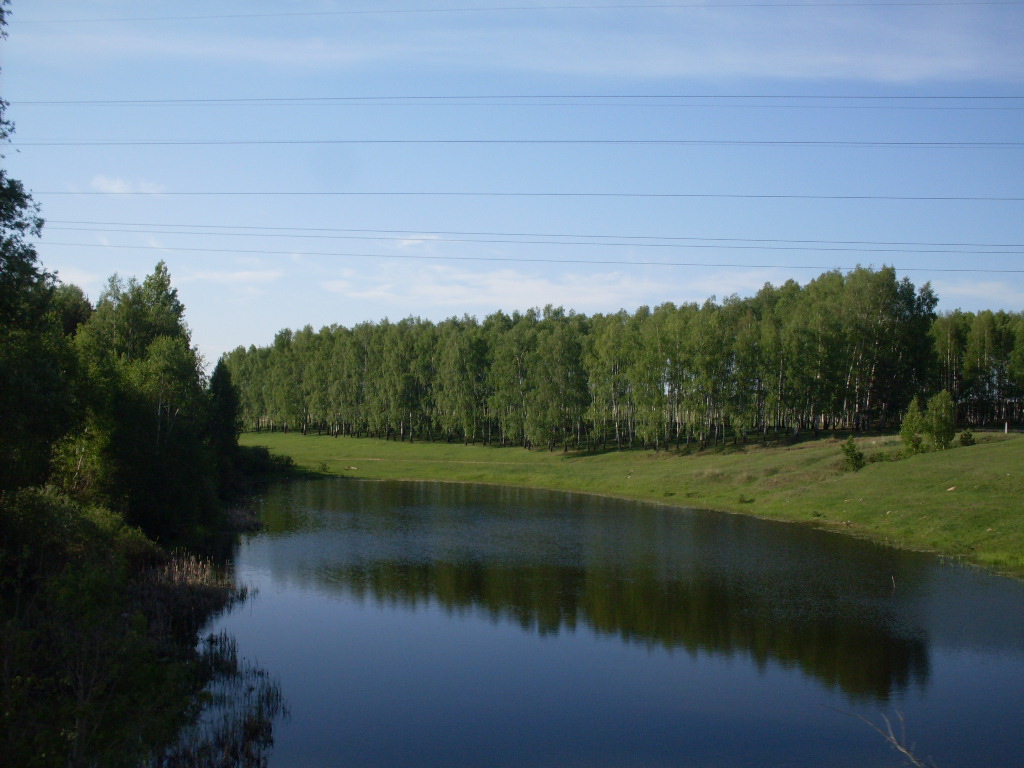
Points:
x=967 y=438
x=910 y=429
x=853 y=457
x=940 y=420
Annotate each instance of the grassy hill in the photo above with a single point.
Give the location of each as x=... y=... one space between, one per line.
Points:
x=966 y=502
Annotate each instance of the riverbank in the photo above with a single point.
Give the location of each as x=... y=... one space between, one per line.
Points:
x=100 y=655
x=966 y=502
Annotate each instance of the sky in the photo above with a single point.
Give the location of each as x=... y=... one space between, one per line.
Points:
x=330 y=162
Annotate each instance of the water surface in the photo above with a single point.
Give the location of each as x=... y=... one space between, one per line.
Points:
x=422 y=624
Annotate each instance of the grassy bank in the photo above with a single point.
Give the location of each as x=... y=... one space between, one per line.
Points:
x=966 y=502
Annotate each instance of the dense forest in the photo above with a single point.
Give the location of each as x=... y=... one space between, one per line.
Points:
x=846 y=350
x=110 y=404
x=114 y=447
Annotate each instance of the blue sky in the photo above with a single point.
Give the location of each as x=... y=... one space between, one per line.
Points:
x=323 y=162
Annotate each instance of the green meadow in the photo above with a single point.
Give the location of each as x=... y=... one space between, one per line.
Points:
x=966 y=502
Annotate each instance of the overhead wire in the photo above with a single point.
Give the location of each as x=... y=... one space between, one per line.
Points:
x=538 y=8
x=653 y=195
x=952 y=101
x=524 y=141
x=919 y=102
x=506 y=238
x=524 y=259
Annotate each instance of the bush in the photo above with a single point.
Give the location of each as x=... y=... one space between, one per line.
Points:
x=940 y=420
x=98 y=636
x=967 y=438
x=853 y=457
x=910 y=429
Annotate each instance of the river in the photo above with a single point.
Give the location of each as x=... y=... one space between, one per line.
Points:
x=427 y=624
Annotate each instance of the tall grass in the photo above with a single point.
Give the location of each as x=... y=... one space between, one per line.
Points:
x=181 y=595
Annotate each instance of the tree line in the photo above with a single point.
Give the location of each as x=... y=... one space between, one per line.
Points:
x=846 y=350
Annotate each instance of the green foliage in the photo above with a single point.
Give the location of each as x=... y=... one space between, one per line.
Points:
x=111 y=406
x=512 y=341
x=989 y=388
x=853 y=457
x=71 y=308
x=911 y=428
x=967 y=438
x=933 y=428
x=940 y=420
x=97 y=643
x=38 y=395
x=459 y=385
x=130 y=315
x=98 y=636
x=37 y=403
x=878 y=456
x=156 y=444
x=223 y=426
x=848 y=350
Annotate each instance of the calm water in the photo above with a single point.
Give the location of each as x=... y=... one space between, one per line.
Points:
x=416 y=624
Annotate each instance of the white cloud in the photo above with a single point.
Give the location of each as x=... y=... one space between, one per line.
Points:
x=977 y=295
x=90 y=282
x=453 y=289
x=247 y=283
x=241 y=283
x=119 y=186
x=236 y=278
x=337 y=286
x=885 y=44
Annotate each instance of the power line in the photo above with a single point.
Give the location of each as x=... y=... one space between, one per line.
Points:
x=626 y=195
x=585 y=262
x=537 y=142
x=536 y=8
x=960 y=102
x=603 y=241
x=261 y=227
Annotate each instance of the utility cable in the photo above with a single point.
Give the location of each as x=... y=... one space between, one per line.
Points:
x=537 y=142
x=539 y=8
x=586 y=262
x=706 y=243
x=460 y=233
x=625 y=195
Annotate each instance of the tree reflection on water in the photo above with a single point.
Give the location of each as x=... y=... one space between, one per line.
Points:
x=701 y=583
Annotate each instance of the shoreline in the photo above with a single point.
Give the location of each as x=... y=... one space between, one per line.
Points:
x=964 y=504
